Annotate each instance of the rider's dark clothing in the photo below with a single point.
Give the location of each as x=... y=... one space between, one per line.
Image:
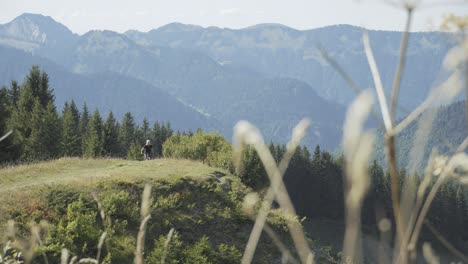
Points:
x=147 y=151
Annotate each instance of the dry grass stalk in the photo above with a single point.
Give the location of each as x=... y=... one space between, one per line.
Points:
x=64 y=256
x=446 y=243
x=356 y=89
x=145 y=216
x=248 y=207
x=298 y=134
x=73 y=260
x=444 y=170
x=401 y=62
x=385 y=226
x=389 y=138
x=88 y=260
x=101 y=210
x=428 y=175
x=429 y=254
x=36 y=232
x=444 y=93
x=6 y=135
x=106 y=222
x=357 y=146
x=166 y=245
x=460 y=24
x=101 y=243
x=411 y=196
x=245 y=133
x=378 y=83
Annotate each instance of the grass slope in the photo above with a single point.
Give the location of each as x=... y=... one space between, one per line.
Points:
x=203 y=205
x=77 y=171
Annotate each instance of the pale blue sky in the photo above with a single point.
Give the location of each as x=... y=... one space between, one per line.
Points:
x=120 y=15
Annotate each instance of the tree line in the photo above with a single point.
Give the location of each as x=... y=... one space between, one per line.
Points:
x=40 y=132
x=315 y=183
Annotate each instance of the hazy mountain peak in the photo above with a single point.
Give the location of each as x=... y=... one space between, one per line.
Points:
x=263 y=26
x=34 y=17
x=35 y=28
x=104 y=41
x=178 y=27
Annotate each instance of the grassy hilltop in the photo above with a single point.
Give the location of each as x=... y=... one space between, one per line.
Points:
x=202 y=204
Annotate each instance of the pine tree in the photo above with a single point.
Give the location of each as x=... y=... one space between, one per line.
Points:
x=145 y=130
x=34 y=145
x=7 y=150
x=46 y=94
x=83 y=127
x=38 y=82
x=45 y=137
x=110 y=140
x=71 y=143
x=157 y=139
x=21 y=119
x=93 y=142
x=13 y=93
x=127 y=133
x=161 y=132
x=76 y=118
x=75 y=112
x=53 y=132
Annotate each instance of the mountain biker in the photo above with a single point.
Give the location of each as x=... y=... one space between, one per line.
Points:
x=146 y=150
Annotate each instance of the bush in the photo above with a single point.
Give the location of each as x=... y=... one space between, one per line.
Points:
x=77 y=231
x=210 y=148
x=134 y=153
x=173 y=251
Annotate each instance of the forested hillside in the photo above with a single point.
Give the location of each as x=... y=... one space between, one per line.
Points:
x=106 y=90
x=225 y=75
x=441 y=129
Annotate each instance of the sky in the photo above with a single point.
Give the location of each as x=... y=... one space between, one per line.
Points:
x=121 y=15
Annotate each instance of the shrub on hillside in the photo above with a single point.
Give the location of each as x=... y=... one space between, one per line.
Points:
x=210 y=148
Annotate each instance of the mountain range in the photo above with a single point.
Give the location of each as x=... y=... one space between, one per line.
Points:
x=269 y=74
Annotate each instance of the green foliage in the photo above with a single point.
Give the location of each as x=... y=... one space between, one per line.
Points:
x=143 y=132
x=38 y=82
x=83 y=125
x=34 y=119
x=127 y=133
x=201 y=252
x=173 y=251
x=111 y=144
x=7 y=102
x=44 y=138
x=176 y=251
x=77 y=231
x=134 y=152
x=71 y=140
x=210 y=148
x=252 y=172
x=119 y=207
x=93 y=143
x=228 y=254
x=161 y=132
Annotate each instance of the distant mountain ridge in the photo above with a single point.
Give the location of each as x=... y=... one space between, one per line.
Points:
x=270 y=74
x=277 y=50
x=448 y=129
